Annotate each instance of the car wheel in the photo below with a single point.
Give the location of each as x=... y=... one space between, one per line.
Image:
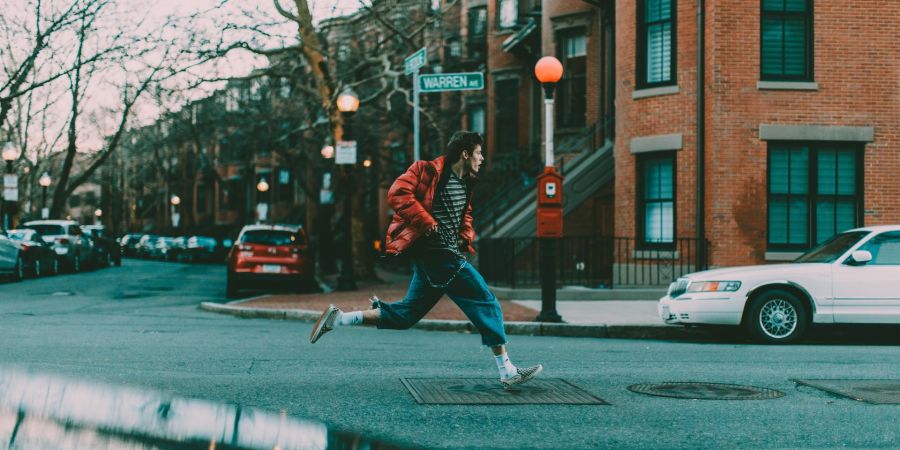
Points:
x=76 y=264
x=776 y=317
x=231 y=286
x=19 y=273
x=37 y=268
x=55 y=266
x=108 y=261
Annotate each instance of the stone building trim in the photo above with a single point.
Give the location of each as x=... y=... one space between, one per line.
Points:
x=787 y=85
x=574 y=20
x=657 y=143
x=815 y=133
x=654 y=92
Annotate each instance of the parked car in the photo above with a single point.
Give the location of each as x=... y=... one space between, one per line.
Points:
x=11 y=262
x=201 y=249
x=128 y=243
x=161 y=248
x=145 y=245
x=72 y=247
x=266 y=253
x=176 y=249
x=106 y=249
x=850 y=278
x=37 y=255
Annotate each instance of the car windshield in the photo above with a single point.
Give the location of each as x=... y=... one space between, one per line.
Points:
x=270 y=237
x=48 y=230
x=20 y=235
x=832 y=249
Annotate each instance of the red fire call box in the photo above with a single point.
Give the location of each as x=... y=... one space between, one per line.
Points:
x=550 y=204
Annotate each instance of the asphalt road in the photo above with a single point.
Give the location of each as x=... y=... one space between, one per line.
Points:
x=139 y=325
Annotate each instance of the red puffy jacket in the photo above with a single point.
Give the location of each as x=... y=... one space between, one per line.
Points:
x=411 y=197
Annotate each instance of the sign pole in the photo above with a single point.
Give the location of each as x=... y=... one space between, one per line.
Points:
x=416 y=153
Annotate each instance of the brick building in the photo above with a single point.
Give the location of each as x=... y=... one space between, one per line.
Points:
x=797 y=116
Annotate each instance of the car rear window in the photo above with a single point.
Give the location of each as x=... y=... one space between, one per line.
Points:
x=49 y=230
x=20 y=235
x=271 y=237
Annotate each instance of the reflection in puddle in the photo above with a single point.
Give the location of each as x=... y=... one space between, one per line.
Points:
x=43 y=412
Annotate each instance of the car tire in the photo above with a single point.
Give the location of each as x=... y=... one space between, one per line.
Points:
x=19 y=273
x=76 y=264
x=38 y=272
x=776 y=316
x=55 y=266
x=231 y=286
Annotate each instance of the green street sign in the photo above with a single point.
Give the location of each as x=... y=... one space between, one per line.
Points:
x=413 y=62
x=439 y=82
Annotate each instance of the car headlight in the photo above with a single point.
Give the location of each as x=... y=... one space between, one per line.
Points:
x=714 y=286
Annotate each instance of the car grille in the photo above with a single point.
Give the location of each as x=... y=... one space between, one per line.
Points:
x=678 y=287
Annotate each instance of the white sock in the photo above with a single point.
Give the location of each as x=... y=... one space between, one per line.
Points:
x=506 y=368
x=350 y=318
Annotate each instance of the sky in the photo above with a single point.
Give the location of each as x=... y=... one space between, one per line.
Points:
x=145 y=16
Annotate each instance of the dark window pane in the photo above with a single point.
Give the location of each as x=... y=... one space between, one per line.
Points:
x=271 y=237
x=659 y=53
x=772 y=51
x=778 y=233
x=658 y=10
x=798 y=222
x=794 y=47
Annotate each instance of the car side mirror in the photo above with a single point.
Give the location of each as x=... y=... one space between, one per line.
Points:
x=860 y=258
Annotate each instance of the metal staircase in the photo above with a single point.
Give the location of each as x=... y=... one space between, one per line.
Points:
x=511 y=212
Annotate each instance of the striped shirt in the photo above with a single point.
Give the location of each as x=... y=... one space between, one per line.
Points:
x=448 y=209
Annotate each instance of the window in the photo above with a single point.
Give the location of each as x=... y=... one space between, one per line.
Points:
x=656 y=43
x=476 y=119
x=284 y=88
x=657 y=200
x=786 y=41
x=477 y=22
x=814 y=193
x=506 y=124
x=572 y=88
x=284 y=186
x=507 y=13
x=885 y=249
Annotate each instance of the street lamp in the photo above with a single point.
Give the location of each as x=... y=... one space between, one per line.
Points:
x=44 y=181
x=262 y=208
x=549 y=71
x=347 y=104
x=10 y=182
x=175 y=201
x=98 y=213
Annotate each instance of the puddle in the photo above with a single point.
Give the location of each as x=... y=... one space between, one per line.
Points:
x=40 y=411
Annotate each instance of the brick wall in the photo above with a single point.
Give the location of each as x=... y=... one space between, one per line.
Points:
x=856 y=70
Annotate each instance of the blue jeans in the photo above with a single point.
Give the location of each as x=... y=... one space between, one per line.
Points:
x=462 y=283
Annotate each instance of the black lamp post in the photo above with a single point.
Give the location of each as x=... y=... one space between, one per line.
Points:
x=44 y=181
x=347 y=104
x=9 y=155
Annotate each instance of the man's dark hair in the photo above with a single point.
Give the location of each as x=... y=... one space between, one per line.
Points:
x=461 y=140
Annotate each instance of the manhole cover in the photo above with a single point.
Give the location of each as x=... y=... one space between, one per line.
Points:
x=705 y=391
x=480 y=391
x=882 y=392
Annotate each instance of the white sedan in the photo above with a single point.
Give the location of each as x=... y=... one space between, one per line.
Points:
x=853 y=277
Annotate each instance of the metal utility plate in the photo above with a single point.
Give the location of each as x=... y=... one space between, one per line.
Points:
x=879 y=392
x=480 y=391
x=705 y=391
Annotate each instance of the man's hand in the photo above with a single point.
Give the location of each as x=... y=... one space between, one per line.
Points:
x=431 y=230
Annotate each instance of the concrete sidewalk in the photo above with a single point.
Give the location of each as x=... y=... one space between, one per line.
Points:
x=581 y=318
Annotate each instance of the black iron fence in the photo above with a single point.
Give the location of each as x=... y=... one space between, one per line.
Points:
x=595 y=262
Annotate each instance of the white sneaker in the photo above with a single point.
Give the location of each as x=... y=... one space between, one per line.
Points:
x=324 y=324
x=522 y=376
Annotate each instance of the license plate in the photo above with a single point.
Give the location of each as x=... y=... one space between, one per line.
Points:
x=271 y=268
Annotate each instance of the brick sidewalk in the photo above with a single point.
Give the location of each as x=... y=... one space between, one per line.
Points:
x=388 y=292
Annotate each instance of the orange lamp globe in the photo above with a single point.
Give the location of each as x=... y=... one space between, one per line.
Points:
x=548 y=70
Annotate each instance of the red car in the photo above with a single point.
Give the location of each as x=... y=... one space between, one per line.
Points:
x=266 y=253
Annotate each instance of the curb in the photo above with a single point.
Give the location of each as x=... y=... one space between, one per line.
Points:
x=513 y=328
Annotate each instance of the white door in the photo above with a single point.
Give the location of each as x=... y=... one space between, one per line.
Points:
x=870 y=293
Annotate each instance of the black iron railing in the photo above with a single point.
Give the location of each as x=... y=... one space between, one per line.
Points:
x=595 y=262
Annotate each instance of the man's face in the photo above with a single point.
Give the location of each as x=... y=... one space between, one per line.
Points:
x=473 y=161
